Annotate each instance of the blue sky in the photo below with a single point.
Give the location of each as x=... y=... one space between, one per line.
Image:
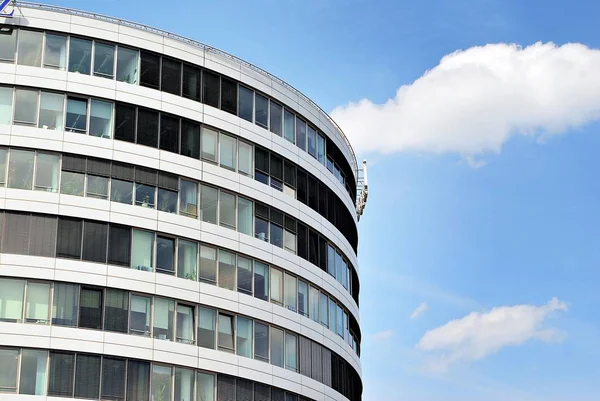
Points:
x=463 y=221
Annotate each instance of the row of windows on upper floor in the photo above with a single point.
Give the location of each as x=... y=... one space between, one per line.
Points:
x=99 y=58
x=30 y=371
x=128 y=184
x=92 y=241
x=139 y=314
x=134 y=124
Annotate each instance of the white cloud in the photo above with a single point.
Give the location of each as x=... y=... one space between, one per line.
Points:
x=383 y=335
x=478 y=335
x=474 y=100
x=422 y=308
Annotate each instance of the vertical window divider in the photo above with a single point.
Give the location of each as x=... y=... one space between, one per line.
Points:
x=129 y=295
x=74 y=373
x=92 y=58
x=115 y=62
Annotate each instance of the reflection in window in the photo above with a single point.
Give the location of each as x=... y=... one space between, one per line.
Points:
x=141 y=250
x=72 y=183
x=301 y=134
x=101 y=119
x=226 y=269
x=227 y=151
x=244 y=331
x=262 y=111
x=291 y=352
x=288 y=126
x=246 y=98
x=244 y=275
x=26 y=107
x=20 y=169
x=138 y=380
x=208 y=204
x=261 y=229
x=227 y=210
x=184 y=384
x=55 y=52
x=161 y=383
x=165 y=255
x=185 y=324
x=211 y=88
x=121 y=191
x=206 y=327
x=302 y=298
x=261 y=341
x=46 y=173
x=11 y=304
x=33 y=372
x=76 y=115
x=229 y=95
x=190 y=139
x=289 y=241
x=275 y=118
x=226 y=333
x=104 y=60
x=6 y=100
x=127 y=65
x=191 y=82
x=323 y=309
x=80 y=55
x=167 y=200
x=311 y=136
x=187 y=256
x=208 y=264
x=144 y=195
x=277 y=235
x=276 y=286
x=332 y=312
x=208 y=141
x=188 y=198
x=290 y=292
x=164 y=312
x=245 y=158
x=261 y=281
x=52 y=107
x=37 y=306
x=8 y=45
x=171 y=76
x=169 y=133
x=9 y=360
x=321 y=152
x=97 y=187
x=65 y=304
x=277 y=347
x=139 y=320
x=30 y=48
x=313 y=299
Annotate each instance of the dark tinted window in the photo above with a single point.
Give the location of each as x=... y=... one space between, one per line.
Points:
x=60 y=376
x=262 y=110
x=87 y=376
x=138 y=380
x=119 y=241
x=191 y=82
x=165 y=255
x=113 y=379
x=90 y=311
x=95 y=236
x=246 y=103
x=211 y=86
x=171 y=76
x=115 y=311
x=228 y=96
x=125 y=122
x=147 y=132
x=150 y=67
x=169 y=133
x=68 y=244
x=190 y=139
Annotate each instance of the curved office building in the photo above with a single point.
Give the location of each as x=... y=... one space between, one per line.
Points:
x=176 y=224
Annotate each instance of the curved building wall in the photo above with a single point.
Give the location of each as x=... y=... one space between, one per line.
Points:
x=175 y=223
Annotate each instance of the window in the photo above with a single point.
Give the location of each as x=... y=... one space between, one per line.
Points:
x=313 y=299
x=72 y=183
x=3 y=153
x=185 y=324
x=208 y=204
x=30 y=48
x=208 y=141
x=226 y=270
x=19 y=227
x=101 y=119
x=261 y=341
x=311 y=136
x=119 y=245
x=87 y=376
x=46 y=173
x=229 y=95
x=346 y=333
x=330 y=260
x=261 y=115
x=289 y=179
x=246 y=103
x=52 y=107
x=245 y=156
x=276 y=286
x=290 y=292
x=262 y=165
x=188 y=198
x=139 y=320
x=191 y=82
x=147 y=132
x=90 y=312
x=171 y=76
x=26 y=107
x=165 y=255
x=187 y=259
x=184 y=384
x=340 y=321
x=332 y=318
x=289 y=241
x=208 y=264
x=141 y=250
x=344 y=274
x=164 y=312
x=150 y=70
x=95 y=241
x=277 y=354
x=261 y=281
x=277 y=235
x=97 y=187
x=302 y=298
x=121 y=191
x=6 y=99
x=288 y=126
x=68 y=244
x=245 y=213
x=116 y=310
x=244 y=336
x=55 y=51
x=226 y=333
x=301 y=134
x=261 y=229
x=9 y=360
x=33 y=372
x=275 y=118
x=338 y=267
x=205 y=386
x=211 y=88
x=11 y=302
x=323 y=309
x=138 y=380
x=38 y=302
x=80 y=56
x=104 y=60
x=8 y=45
x=227 y=151
x=65 y=304
x=206 y=327
x=125 y=122
x=76 y=115
x=321 y=150
x=244 y=275
x=60 y=378
x=190 y=139
x=291 y=352
x=127 y=65
x=144 y=195
x=113 y=379
x=227 y=210
x=169 y=133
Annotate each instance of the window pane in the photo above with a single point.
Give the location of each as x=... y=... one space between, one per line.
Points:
x=261 y=115
x=26 y=107
x=191 y=82
x=55 y=52
x=165 y=255
x=164 y=312
x=144 y=195
x=226 y=332
x=139 y=320
x=142 y=250
x=169 y=133
x=60 y=379
x=244 y=275
x=291 y=292
x=161 y=383
x=300 y=134
x=261 y=229
x=313 y=299
x=116 y=310
x=332 y=317
x=97 y=187
x=302 y=298
x=87 y=376
x=30 y=48
x=167 y=201
x=276 y=286
x=76 y=115
x=206 y=327
x=277 y=235
x=38 y=300
x=289 y=241
x=261 y=281
x=72 y=183
x=228 y=95
x=149 y=67
x=90 y=312
x=208 y=204
x=291 y=352
x=121 y=191
x=338 y=267
x=20 y=169
x=312 y=141
x=323 y=309
x=147 y=129
x=261 y=341
x=65 y=304
x=340 y=321
x=187 y=259
x=277 y=347
x=171 y=76
x=104 y=60
x=127 y=65
x=80 y=55
x=6 y=97
x=246 y=103
x=190 y=139
x=227 y=210
x=119 y=241
x=125 y=122
x=321 y=149
x=138 y=380
x=244 y=337
x=9 y=361
x=11 y=300
x=209 y=144
x=330 y=260
x=184 y=384
x=211 y=87
x=275 y=118
x=208 y=264
x=288 y=126
x=185 y=324
x=8 y=45
x=188 y=198
x=19 y=227
x=245 y=158
x=206 y=387
x=101 y=119
x=51 y=111
x=68 y=241
x=113 y=379
x=33 y=371
x=226 y=270
x=227 y=151
x=46 y=174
